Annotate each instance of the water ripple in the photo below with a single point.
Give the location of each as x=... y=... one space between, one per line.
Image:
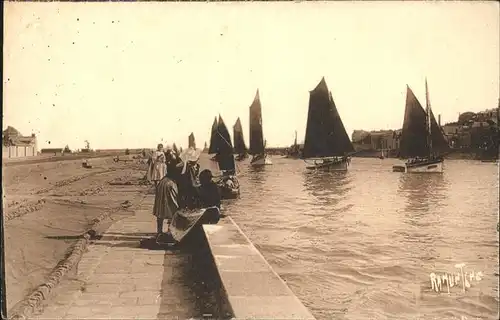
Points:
x=361 y=244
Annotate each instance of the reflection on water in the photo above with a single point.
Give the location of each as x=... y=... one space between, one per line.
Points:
x=257 y=175
x=328 y=189
x=324 y=184
x=423 y=191
x=361 y=244
x=425 y=196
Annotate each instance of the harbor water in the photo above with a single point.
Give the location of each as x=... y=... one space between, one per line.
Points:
x=362 y=244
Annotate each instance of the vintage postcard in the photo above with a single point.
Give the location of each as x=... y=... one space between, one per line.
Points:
x=250 y=160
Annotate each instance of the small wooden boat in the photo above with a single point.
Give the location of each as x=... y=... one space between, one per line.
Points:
x=239 y=143
x=327 y=145
x=257 y=143
x=185 y=221
x=398 y=168
x=422 y=140
x=228 y=183
x=86 y=164
x=294 y=151
x=241 y=157
x=261 y=160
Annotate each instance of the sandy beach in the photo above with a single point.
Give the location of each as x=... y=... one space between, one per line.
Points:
x=50 y=204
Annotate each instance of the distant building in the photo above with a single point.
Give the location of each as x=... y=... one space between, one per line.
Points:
x=451 y=128
x=472 y=130
x=384 y=140
x=488 y=114
x=466 y=117
x=451 y=132
x=359 y=136
x=130 y=151
x=376 y=140
x=52 y=151
x=15 y=145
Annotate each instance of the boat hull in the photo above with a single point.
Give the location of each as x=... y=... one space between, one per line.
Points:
x=185 y=221
x=229 y=187
x=241 y=157
x=398 y=168
x=425 y=167
x=261 y=161
x=329 y=166
x=490 y=161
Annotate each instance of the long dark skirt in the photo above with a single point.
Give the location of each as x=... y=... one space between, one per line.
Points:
x=166 y=199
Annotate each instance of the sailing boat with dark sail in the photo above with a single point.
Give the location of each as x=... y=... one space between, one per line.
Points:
x=175 y=150
x=327 y=143
x=294 y=151
x=239 y=143
x=191 y=141
x=213 y=138
x=257 y=143
x=422 y=140
x=228 y=183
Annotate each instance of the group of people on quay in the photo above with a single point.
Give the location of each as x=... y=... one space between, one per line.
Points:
x=179 y=185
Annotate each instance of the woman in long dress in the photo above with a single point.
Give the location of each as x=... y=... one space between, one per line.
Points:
x=170 y=202
x=172 y=192
x=166 y=203
x=158 y=166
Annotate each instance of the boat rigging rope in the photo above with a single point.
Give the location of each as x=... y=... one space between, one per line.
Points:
x=227 y=142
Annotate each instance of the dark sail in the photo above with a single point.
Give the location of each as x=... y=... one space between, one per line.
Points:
x=224 y=145
x=325 y=133
x=191 y=141
x=213 y=141
x=343 y=143
x=439 y=143
x=256 y=134
x=239 y=142
x=414 y=134
x=224 y=150
x=175 y=150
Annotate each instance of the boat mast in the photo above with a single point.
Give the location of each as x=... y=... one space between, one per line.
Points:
x=428 y=118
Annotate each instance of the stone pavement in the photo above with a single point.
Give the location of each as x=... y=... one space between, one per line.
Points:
x=118 y=280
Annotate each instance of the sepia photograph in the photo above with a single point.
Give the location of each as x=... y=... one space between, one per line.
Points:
x=250 y=160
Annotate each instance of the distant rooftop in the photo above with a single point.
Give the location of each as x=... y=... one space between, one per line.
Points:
x=11 y=131
x=11 y=136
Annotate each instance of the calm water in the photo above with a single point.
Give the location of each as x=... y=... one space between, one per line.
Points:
x=361 y=244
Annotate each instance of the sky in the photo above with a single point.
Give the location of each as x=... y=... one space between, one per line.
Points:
x=131 y=75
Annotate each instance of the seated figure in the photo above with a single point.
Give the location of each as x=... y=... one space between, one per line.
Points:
x=208 y=191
